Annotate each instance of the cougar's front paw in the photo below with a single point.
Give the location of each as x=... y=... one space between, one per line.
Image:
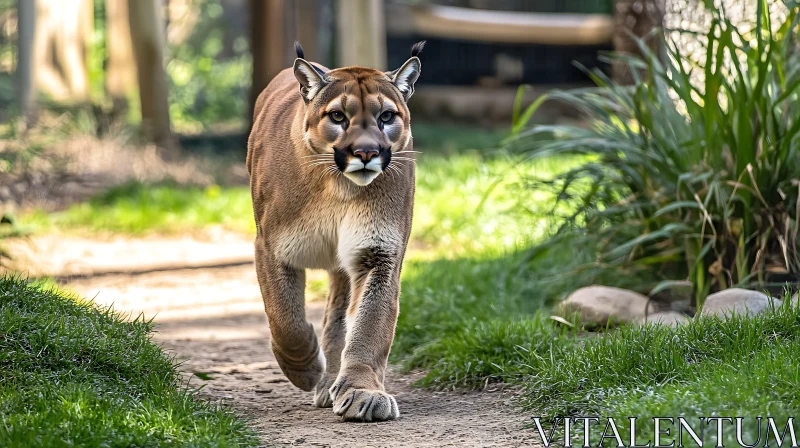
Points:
x=322 y=395
x=366 y=405
x=363 y=405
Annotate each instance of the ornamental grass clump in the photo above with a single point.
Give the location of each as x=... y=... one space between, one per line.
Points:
x=687 y=177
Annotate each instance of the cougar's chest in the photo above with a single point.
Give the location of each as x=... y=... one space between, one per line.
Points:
x=309 y=241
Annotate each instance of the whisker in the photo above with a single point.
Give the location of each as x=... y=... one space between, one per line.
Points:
x=313 y=168
x=395 y=169
x=333 y=170
x=316 y=163
x=403 y=162
x=327 y=170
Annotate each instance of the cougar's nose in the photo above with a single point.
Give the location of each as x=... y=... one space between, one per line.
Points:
x=366 y=154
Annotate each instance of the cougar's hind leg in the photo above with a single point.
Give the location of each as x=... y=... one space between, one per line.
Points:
x=333 y=334
x=293 y=340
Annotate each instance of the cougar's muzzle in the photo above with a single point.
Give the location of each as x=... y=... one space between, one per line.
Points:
x=362 y=164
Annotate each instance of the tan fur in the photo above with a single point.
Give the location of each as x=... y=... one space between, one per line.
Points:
x=311 y=216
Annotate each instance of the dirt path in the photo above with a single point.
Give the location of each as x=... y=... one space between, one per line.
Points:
x=212 y=319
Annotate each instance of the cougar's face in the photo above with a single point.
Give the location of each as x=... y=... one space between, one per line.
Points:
x=361 y=120
x=356 y=122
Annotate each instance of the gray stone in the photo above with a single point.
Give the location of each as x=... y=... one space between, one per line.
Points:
x=795 y=298
x=19 y=188
x=601 y=304
x=740 y=301
x=668 y=318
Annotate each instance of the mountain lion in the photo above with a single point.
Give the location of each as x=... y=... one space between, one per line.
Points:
x=331 y=166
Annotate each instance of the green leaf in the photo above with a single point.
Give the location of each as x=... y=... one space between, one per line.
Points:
x=676 y=206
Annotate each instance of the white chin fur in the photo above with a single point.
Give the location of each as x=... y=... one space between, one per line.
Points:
x=362 y=178
x=361 y=174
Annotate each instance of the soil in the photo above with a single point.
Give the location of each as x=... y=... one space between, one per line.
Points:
x=210 y=316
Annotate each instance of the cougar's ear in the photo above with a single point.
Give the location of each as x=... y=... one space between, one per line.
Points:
x=310 y=78
x=405 y=76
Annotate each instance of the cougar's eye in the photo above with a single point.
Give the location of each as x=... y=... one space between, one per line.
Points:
x=387 y=116
x=336 y=116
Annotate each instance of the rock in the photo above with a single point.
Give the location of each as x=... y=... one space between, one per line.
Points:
x=19 y=189
x=736 y=300
x=668 y=318
x=599 y=304
x=795 y=298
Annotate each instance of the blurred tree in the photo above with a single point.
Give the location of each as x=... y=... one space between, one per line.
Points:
x=146 y=19
x=275 y=24
x=183 y=17
x=26 y=19
x=120 y=77
x=209 y=70
x=306 y=27
x=362 y=36
x=62 y=35
x=268 y=43
x=635 y=19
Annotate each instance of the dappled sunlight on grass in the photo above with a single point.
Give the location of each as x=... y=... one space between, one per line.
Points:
x=136 y=208
x=466 y=202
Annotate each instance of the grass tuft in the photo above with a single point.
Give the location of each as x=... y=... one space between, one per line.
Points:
x=72 y=374
x=686 y=179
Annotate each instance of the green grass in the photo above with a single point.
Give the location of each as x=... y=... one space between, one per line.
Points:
x=440 y=296
x=136 y=208
x=75 y=375
x=467 y=202
x=741 y=366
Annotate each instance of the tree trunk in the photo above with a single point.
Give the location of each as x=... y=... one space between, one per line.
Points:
x=147 y=33
x=26 y=17
x=61 y=40
x=306 y=27
x=121 y=68
x=636 y=19
x=362 y=37
x=268 y=43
